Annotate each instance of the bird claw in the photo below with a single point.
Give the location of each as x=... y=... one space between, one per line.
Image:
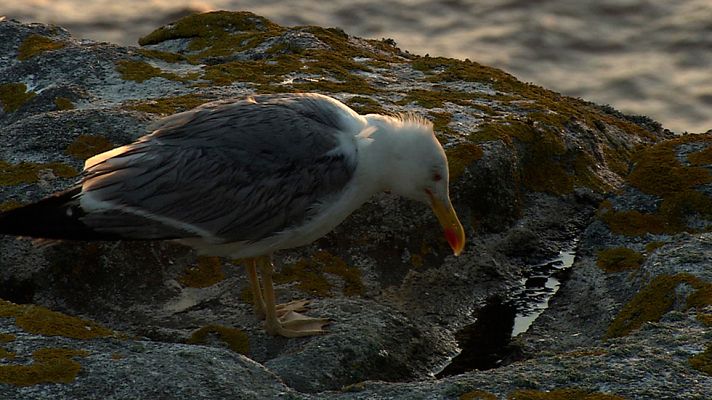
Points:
x=294 y=324
x=283 y=309
x=295 y=305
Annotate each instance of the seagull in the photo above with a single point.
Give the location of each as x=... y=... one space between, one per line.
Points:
x=244 y=178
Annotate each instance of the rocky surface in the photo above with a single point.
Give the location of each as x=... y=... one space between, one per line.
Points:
x=529 y=168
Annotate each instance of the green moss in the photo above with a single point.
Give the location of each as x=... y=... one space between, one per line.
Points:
x=654 y=245
x=441 y=122
x=36 y=44
x=658 y=172
x=435 y=98
x=310 y=278
x=219 y=30
x=6 y=337
x=217 y=36
x=15 y=174
x=86 y=146
x=703 y=361
x=702 y=157
x=168 y=105
x=635 y=223
x=51 y=366
x=619 y=259
x=562 y=394
x=4 y=354
x=543 y=159
x=268 y=72
x=13 y=96
x=584 y=175
x=63 y=104
x=207 y=272
x=462 y=156
x=561 y=108
x=677 y=207
x=656 y=299
x=261 y=72
x=9 y=205
x=365 y=105
x=139 y=71
x=477 y=395
x=236 y=339
x=41 y=321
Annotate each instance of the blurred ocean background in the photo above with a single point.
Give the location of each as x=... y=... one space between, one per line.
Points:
x=650 y=57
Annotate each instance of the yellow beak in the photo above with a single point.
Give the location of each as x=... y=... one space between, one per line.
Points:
x=447 y=217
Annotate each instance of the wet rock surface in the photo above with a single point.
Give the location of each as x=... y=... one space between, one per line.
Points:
x=529 y=168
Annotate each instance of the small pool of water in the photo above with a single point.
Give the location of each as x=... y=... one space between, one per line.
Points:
x=486 y=343
x=542 y=283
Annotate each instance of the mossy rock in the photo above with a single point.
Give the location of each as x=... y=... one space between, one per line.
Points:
x=168 y=105
x=63 y=104
x=562 y=394
x=309 y=275
x=41 y=321
x=13 y=96
x=37 y=44
x=461 y=156
x=619 y=259
x=656 y=299
x=207 y=272
x=51 y=365
x=24 y=172
x=703 y=361
x=657 y=171
x=235 y=339
x=87 y=146
x=477 y=395
x=140 y=71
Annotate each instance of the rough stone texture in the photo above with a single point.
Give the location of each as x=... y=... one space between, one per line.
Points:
x=529 y=167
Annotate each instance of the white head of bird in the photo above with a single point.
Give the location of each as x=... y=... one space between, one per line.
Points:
x=417 y=167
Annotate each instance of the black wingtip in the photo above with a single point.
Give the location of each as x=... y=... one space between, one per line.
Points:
x=55 y=217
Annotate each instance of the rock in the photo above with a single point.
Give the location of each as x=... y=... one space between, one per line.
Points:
x=528 y=169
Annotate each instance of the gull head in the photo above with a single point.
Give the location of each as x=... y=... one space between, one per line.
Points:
x=415 y=166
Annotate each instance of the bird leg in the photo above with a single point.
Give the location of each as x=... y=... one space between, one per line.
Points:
x=291 y=324
x=258 y=298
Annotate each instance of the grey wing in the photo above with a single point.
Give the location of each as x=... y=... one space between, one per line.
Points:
x=227 y=171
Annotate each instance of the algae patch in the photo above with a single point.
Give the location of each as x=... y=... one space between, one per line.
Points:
x=462 y=156
x=41 y=321
x=86 y=146
x=656 y=299
x=236 y=339
x=310 y=275
x=140 y=71
x=619 y=259
x=14 y=95
x=207 y=272
x=6 y=337
x=51 y=365
x=562 y=394
x=63 y=104
x=168 y=105
x=24 y=172
x=658 y=172
x=703 y=361
x=477 y=395
x=36 y=44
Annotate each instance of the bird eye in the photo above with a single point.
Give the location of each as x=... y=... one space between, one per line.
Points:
x=437 y=177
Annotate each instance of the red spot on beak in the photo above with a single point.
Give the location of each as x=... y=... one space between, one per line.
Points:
x=451 y=237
